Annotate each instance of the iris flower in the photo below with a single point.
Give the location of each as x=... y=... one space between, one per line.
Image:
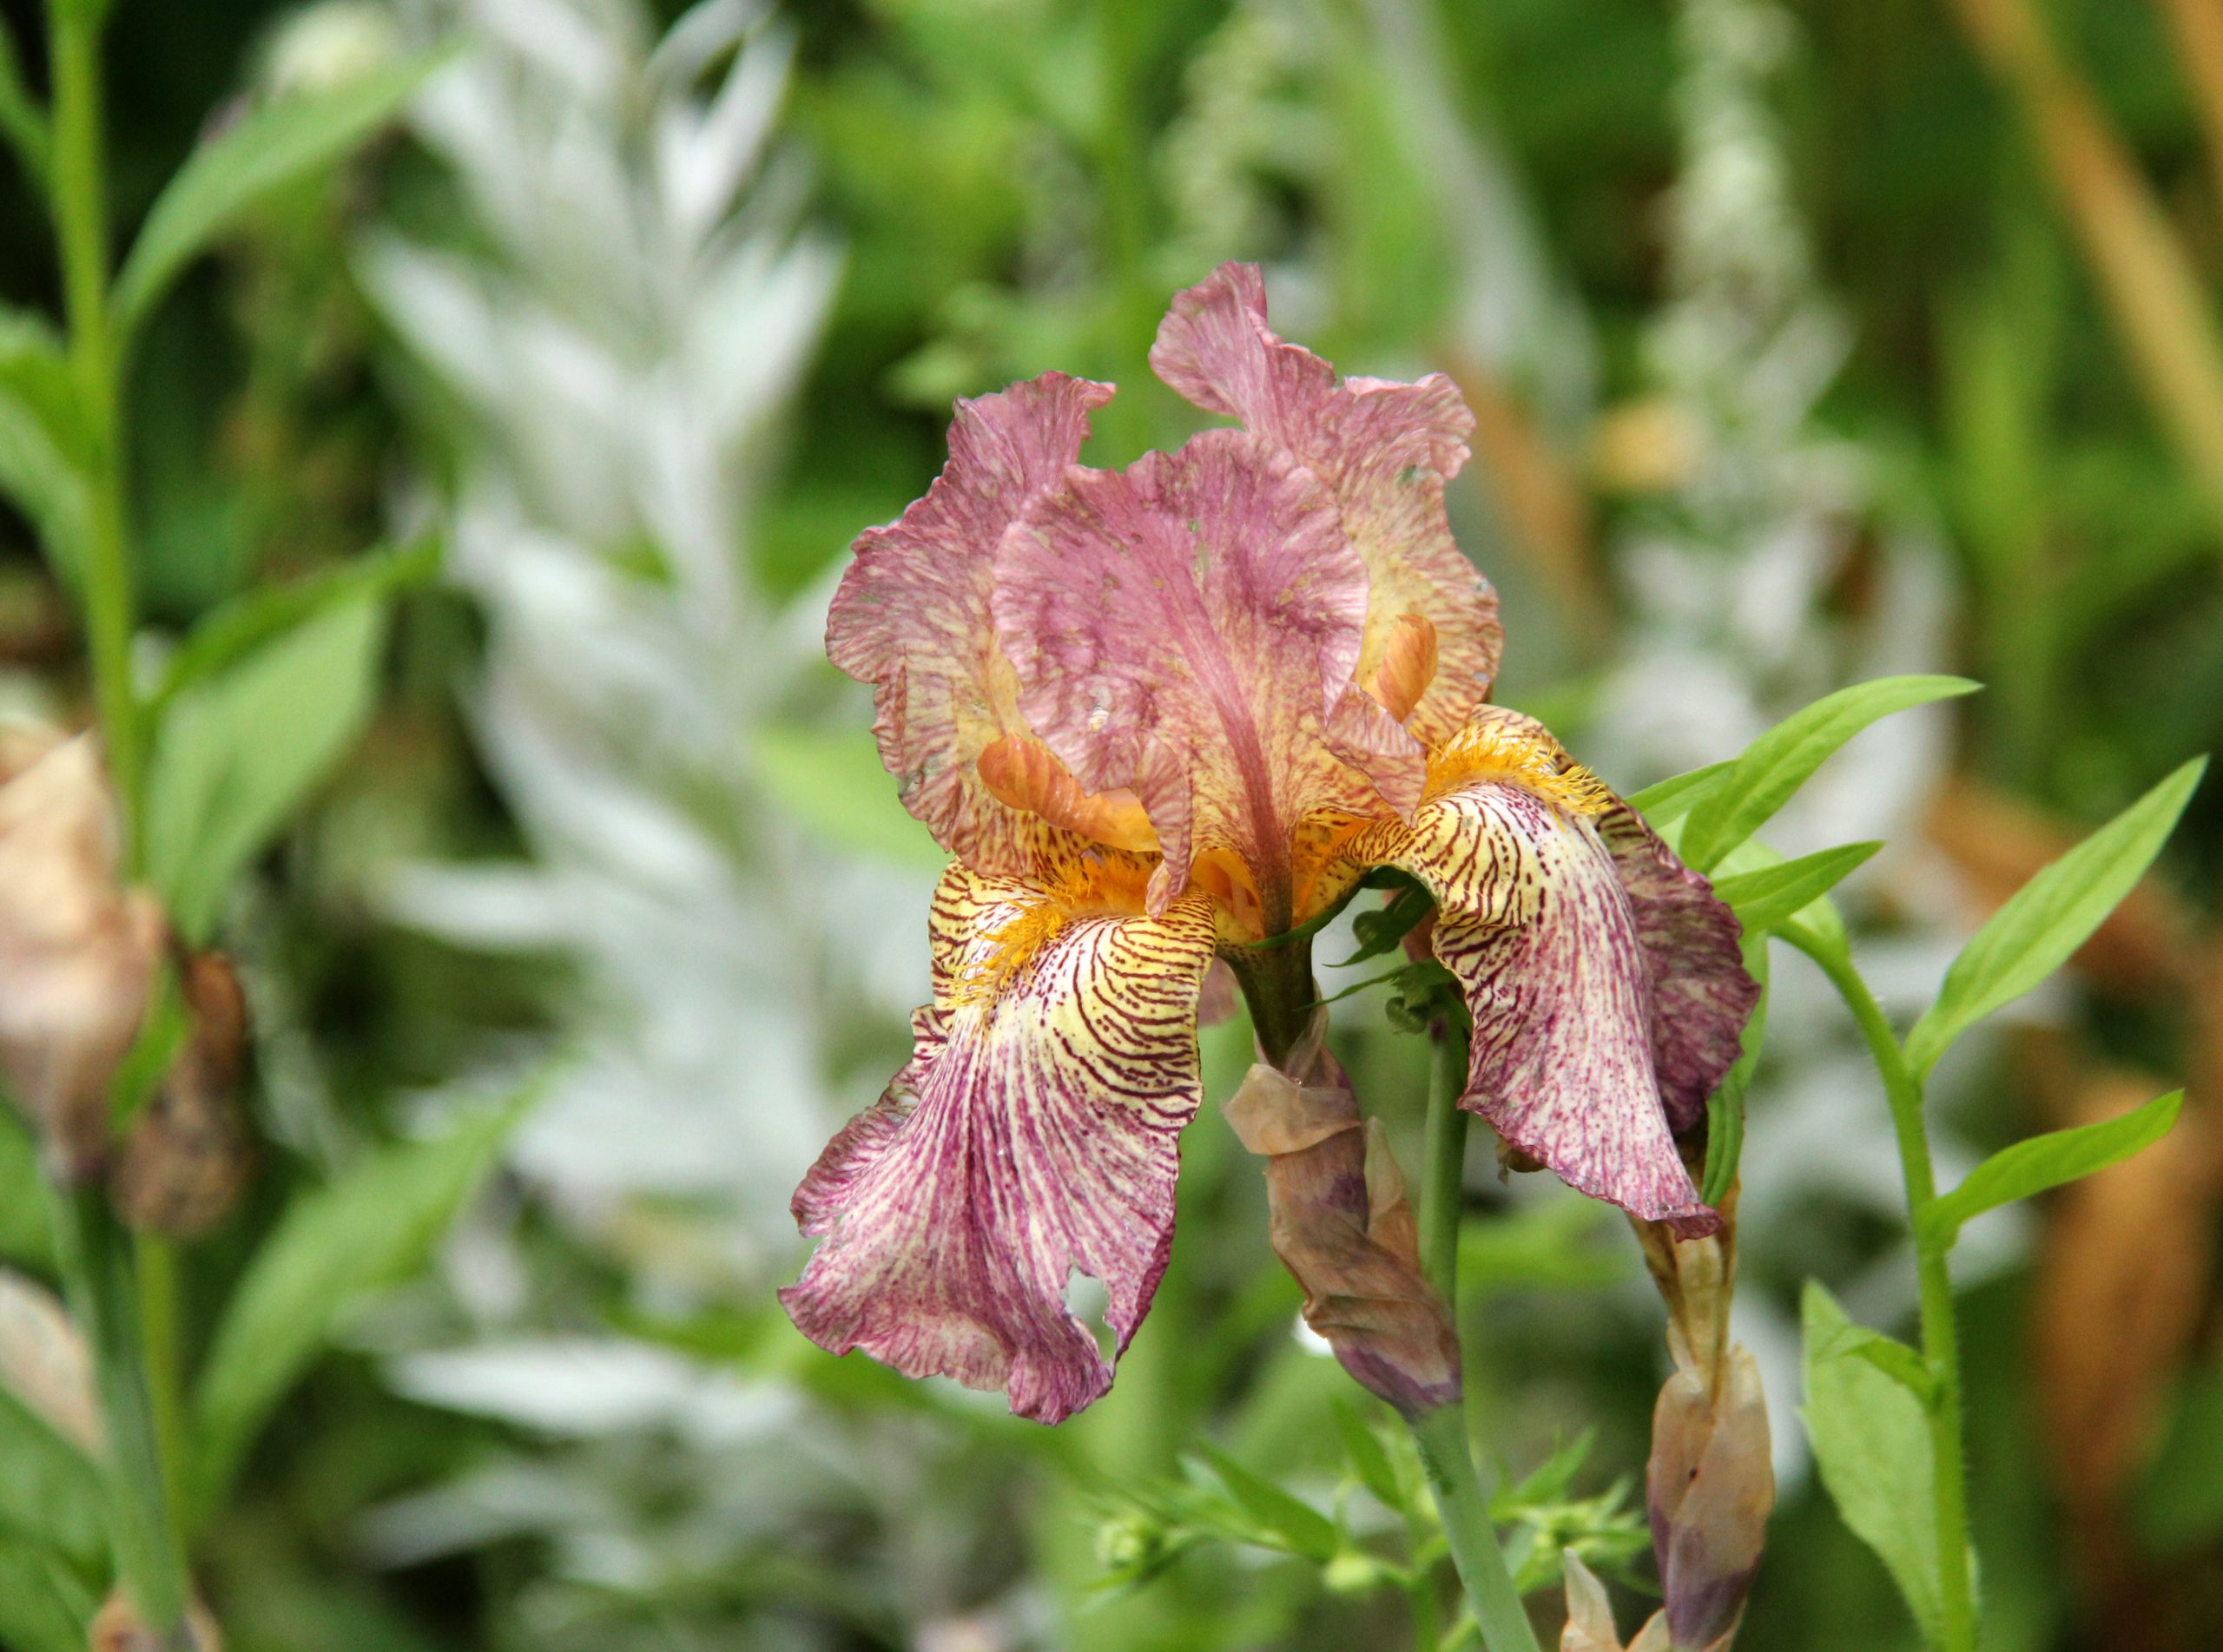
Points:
x=1175 y=711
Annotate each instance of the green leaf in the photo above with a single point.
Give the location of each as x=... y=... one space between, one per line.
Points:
x=1725 y=1108
x=21 y=122
x=2047 y=920
x=237 y=753
x=1903 y=1365
x=45 y=1603
x=1776 y=765
x=831 y=780
x=26 y=1229
x=1294 y=1524
x=51 y=1493
x=263 y=151
x=1765 y=899
x=371 y=1227
x=261 y=615
x=1368 y=1457
x=43 y=438
x=2048 y=1161
x=1871 y=1442
x=1671 y=798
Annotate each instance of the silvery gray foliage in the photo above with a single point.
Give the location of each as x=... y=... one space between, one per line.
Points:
x=1732 y=625
x=613 y=348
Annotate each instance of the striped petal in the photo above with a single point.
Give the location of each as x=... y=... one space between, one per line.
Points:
x=911 y=615
x=1034 y=1133
x=1187 y=628
x=1384 y=450
x=1574 y=969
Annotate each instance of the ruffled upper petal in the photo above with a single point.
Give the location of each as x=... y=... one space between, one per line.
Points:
x=1034 y=1133
x=911 y=615
x=1188 y=628
x=1384 y=450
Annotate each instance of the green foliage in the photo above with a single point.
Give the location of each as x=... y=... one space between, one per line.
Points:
x=372 y=1226
x=1766 y=899
x=1278 y=1519
x=1666 y=802
x=44 y=1603
x=23 y=124
x=1764 y=777
x=239 y=749
x=2031 y=1166
x=42 y=437
x=1871 y=1436
x=51 y=1495
x=832 y=782
x=2035 y=932
x=267 y=149
x=26 y=1233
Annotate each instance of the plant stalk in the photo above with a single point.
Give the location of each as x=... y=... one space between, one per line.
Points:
x=1940 y=1333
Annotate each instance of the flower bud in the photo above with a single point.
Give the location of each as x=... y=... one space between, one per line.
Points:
x=77 y=950
x=1341 y=1224
x=187 y=1156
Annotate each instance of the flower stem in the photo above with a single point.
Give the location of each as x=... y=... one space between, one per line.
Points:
x=80 y=219
x=1441 y=1433
x=98 y=1273
x=1940 y=1334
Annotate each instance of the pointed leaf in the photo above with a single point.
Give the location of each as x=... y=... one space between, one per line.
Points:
x=238 y=752
x=44 y=1603
x=21 y=122
x=2048 y=1161
x=2047 y=920
x=1776 y=765
x=42 y=437
x=1368 y=1460
x=1871 y=1443
x=265 y=149
x=1765 y=899
x=1299 y=1526
x=372 y=1226
x=1673 y=798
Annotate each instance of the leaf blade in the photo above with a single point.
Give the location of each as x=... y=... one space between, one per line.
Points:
x=1771 y=769
x=2031 y=1167
x=1770 y=897
x=2046 y=920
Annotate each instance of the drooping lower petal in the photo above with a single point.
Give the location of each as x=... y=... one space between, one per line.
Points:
x=1187 y=628
x=1384 y=450
x=911 y=615
x=1033 y=1136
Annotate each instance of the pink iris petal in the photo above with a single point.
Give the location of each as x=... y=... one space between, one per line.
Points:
x=1701 y=993
x=1384 y=450
x=912 y=615
x=1032 y=1134
x=1188 y=628
x=1534 y=922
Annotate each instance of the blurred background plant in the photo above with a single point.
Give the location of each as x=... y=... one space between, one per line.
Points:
x=1806 y=342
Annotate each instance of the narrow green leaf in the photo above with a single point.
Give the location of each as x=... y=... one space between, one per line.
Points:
x=2047 y=920
x=1368 y=1458
x=1871 y=1442
x=1776 y=765
x=42 y=438
x=1676 y=796
x=51 y=1493
x=261 y=615
x=266 y=149
x=1765 y=898
x=1725 y=1108
x=832 y=782
x=237 y=753
x=2048 y=1161
x=371 y=1227
x=22 y=121
x=46 y=1605
x=26 y=1229
x=1903 y=1365
x=1297 y=1525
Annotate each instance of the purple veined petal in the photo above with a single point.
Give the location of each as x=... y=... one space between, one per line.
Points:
x=1702 y=995
x=1187 y=628
x=1383 y=449
x=911 y=615
x=1033 y=1135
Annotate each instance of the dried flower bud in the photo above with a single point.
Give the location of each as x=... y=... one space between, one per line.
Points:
x=1340 y=1222
x=77 y=950
x=118 y=1627
x=1590 y=1617
x=187 y=1156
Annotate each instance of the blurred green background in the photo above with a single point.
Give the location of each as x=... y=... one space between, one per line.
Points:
x=1807 y=341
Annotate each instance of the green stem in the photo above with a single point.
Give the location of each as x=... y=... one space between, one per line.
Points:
x=1940 y=1334
x=80 y=219
x=1443 y=1191
x=1491 y=1595
x=157 y=1263
x=96 y=1262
